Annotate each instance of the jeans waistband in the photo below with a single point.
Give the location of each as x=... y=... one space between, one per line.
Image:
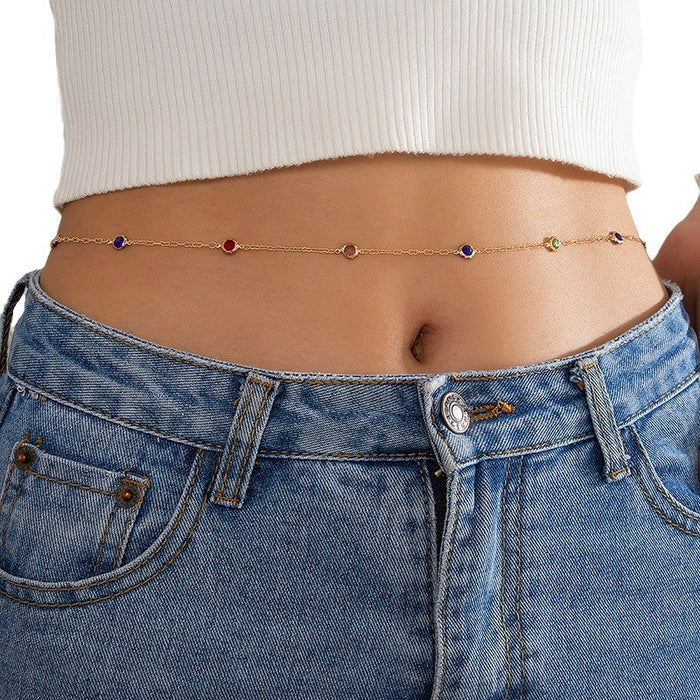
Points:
x=71 y=358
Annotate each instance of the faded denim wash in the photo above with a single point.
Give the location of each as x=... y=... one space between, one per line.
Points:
x=174 y=526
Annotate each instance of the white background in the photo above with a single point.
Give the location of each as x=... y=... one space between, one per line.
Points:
x=667 y=129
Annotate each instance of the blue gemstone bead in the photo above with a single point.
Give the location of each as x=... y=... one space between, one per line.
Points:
x=618 y=236
x=118 y=242
x=467 y=251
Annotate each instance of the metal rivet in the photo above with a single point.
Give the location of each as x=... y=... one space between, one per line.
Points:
x=24 y=456
x=127 y=496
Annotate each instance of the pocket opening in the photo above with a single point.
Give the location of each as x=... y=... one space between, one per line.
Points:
x=663 y=444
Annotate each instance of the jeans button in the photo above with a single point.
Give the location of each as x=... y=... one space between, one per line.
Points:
x=455 y=412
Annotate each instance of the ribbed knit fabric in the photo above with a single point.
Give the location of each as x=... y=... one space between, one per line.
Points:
x=155 y=91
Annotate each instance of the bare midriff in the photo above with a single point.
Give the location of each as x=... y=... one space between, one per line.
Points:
x=316 y=312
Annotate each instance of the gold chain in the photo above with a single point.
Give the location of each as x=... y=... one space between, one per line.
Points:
x=350 y=250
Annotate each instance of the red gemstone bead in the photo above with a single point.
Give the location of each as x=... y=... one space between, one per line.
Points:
x=229 y=245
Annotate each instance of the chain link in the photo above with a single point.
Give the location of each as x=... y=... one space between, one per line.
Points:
x=409 y=251
x=341 y=251
x=293 y=249
x=173 y=244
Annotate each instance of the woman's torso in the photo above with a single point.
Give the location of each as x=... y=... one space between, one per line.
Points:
x=315 y=312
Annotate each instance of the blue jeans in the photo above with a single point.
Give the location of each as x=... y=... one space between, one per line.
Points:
x=174 y=526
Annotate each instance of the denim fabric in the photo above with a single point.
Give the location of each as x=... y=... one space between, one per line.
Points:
x=174 y=526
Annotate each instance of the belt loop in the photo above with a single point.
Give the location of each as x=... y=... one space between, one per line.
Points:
x=253 y=408
x=6 y=318
x=587 y=375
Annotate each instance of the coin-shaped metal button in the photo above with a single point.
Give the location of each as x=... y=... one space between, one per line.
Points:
x=455 y=412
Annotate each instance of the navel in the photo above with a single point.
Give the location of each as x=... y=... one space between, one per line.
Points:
x=420 y=347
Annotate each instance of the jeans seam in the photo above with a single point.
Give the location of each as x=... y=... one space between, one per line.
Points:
x=347 y=455
x=120 y=544
x=679 y=387
x=518 y=581
x=66 y=483
x=5 y=402
x=104 y=537
x=455 y=519
x=9 y=515
x=503 y=579
x=658 y=511
x=16 y=295
x=429 y=546
x=647 y=463
x=118 y=419
x=8 y=477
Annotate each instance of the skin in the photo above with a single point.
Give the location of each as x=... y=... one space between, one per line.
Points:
x=679 y=259
x=376 y=313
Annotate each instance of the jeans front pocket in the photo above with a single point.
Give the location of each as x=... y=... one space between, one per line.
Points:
x=63 y=520
x=663 y=444
x=90 y=507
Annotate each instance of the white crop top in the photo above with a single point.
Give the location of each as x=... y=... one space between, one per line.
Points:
x=156 y=91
